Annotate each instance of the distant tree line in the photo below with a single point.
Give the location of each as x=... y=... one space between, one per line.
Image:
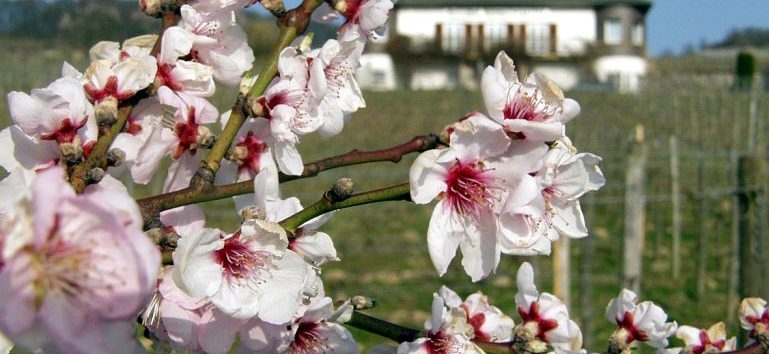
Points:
x=73 y=23
x=742 y=37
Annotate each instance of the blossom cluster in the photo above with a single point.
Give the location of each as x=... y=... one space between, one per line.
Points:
x=77 y=270
x=81 y=261
x=509 y=182
x=458 y=326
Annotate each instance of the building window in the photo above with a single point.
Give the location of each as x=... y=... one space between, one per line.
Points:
x=612 y=31
x=538 y=40
x=378 y=78
x=637 y=35
x=496 y=37
x=453 y=38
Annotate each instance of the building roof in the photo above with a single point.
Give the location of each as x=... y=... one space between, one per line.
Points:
x=520 y=3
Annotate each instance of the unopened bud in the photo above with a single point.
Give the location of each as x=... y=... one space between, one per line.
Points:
x=169 y=240
x=305 y=46
x=255 y=107
x=618 y=342
x=762 y=334
x=247 y=82
x=71 y=153
x=342 y=190
x=237 y=154
x=253 y=213
x=339 y=5
x=362 y=302
x=155 y=8
x=155 y=234
x=115 y=157
x=106 y=111
x=276 y=7
x=94 y=175
x=150 y=7
x=205 y=139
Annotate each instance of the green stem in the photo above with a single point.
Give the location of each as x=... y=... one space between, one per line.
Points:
x=293 y=24
x=399 y=192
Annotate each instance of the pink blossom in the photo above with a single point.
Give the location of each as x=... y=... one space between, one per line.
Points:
x=250 y=273
x=180 y=75
x=565 y=177
x=447 y=333
x=534 y=110
x=189 y=323
x=136 y=47
x=753 y=311
x=700 y=341
x=60 y=112
x=176 y=130
x=543 y=315
x=474 y=179
x=105 y=81
x=644 y=322
x=218 y=42
x=488 y=322
x=312 y=332
x=367 y=17
x=83 y=273
x=337 y=61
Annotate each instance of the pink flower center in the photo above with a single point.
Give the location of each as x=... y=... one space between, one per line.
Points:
x=66 y=132
x=352 y=10
x=543 y=324
x=523 y=106
x=187 y=134
x=468 y=189
x=705 y=341
x=110 y=90
x=477 y=322
x=755 y=319
x=166 y=78
x=73 y=269
x=255 y=149
x=237 y=259
x=308 y=339
x=133 y=127
x=269 y=102
x=439 y=343
x=628 y=323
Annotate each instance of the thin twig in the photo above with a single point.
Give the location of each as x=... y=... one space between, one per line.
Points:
x=152 y=206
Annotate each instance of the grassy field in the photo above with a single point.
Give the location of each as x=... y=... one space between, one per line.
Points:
x=383 y=247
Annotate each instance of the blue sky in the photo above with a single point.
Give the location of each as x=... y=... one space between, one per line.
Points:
x=674 y=23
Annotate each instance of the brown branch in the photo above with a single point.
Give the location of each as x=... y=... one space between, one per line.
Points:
x=200 y=193
x=98 y=158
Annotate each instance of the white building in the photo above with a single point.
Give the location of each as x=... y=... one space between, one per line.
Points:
x=437 y=44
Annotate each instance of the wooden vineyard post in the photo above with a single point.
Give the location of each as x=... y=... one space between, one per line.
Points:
x=675 y=191
x=635 y=217
x=561 y=270
x=732 y=292
x=702 y=235
x=754 y=240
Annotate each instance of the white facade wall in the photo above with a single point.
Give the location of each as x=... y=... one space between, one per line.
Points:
x=624 y=71
x=575 y=28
